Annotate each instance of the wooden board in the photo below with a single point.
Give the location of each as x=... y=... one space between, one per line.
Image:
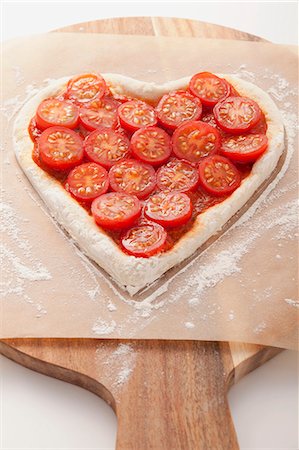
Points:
x=175 y=396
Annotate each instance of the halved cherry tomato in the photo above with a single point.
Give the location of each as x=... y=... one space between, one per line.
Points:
x=209 y=118
x=87 y=181
x=60 y=148
x=86 y=87
x=106 y=147
x=209 y=88
x=171 y=209
x=136 y=114
x=244 y=148
x=177 y=175
x=151 y=145
x=133 y=177
x=144 y=240
x=260 y=127
x=237 y=114
x=176 y=108
x=101 y=112
x=195 y=140
x=53 y=113
x=33 y=130
x=218 y=175
x=116 y=210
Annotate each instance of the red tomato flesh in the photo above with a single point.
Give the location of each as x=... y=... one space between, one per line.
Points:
x=99 y=113
x=151 y=145
x=87 y=181
x=177 y=175
x=60 y=148
x=244 y=148
x=218 y=175
x=237 y=114
x=195 y=140
x=176 y=108
x=116 y=210
x=33 y=130
x=53 y=112
x=133 y=177
x=209 y=88
x=171 y=209
x=84 y=88
x=106 y=147
x=144 y=240
x=136 y=114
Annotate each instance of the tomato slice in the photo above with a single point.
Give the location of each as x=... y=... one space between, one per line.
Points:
x=177 y=107
x=209 y=88
x=151 y=145
x=244 y=148
x=86 y=87
x=209 y=118
x=177 y=175
x=237 y=114
x=218 y=175
x=60 y=148
x=99 y=113
x=144 y=240
x=171 y=209
x=195 y=140
x=133 y=177
x=136 y=114
x=260 y=127
x=53 y=112
x=33 y=130
x=87 y=181
x=106 y=147
x=116 y=210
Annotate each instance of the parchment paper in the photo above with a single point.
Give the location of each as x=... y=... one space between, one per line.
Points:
x=241 y=288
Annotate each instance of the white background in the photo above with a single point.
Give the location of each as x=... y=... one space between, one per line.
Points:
x=38 y=412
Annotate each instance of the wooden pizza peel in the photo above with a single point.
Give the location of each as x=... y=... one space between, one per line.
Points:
x=176 y=396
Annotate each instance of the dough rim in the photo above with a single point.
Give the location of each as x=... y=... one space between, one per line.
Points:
x=129 y=272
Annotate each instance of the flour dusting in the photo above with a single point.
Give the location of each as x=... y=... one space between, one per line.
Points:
x=292 y=302
x=101 y=327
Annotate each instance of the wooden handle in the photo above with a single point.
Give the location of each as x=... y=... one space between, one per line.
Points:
x=176 y=399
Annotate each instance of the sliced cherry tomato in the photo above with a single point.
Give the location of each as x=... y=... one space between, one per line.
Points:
x=237 y=114
x=84 y=88
x=60 y=148
x=209 y=88
x=133 y=177
x=171 y=209
x=244 y=148
x=101 y=112
x=136 y=114
x=218 y=175
x=209 y=118
x=106 y=147
x=195 y=140
x=177 y=175
x=87 y=181
x=116 y=210
x=144 y=240
x=151 y=145
x=260 y=127
x=53 y=112
x=177 y=107
x=33 y=130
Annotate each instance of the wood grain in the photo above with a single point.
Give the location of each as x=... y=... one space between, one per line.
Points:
x=160 y=26
x=175 y=395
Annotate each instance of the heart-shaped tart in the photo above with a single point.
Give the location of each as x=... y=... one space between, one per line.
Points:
x=141 y=175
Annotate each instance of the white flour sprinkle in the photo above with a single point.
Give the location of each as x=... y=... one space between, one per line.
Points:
x=260 y=327
x=189 y=325
x=111 y=306
x=292 y=302
x=119 y=365
x=231 y=315
x=101 y=327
